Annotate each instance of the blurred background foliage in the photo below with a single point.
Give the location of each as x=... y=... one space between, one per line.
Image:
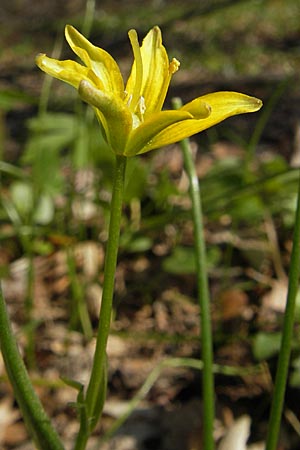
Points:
x=55 y=168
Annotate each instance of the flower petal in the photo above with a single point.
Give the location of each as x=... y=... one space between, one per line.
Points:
x=141 y=137
x=113 y=114
x=97 y=59
x=225 y=104
x=69 y=71
x=157 y=72
x=222 y=104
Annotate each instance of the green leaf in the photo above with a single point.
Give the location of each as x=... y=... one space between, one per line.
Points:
x=10 y=98
x=44 y=212
x=139 y=244
x=266 y=345
x=74 y=384
x=182 y=261
x=22 y=197
x=294 y=380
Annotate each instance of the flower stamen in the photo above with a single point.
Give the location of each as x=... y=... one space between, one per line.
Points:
x=141 y=107
x=128 y=99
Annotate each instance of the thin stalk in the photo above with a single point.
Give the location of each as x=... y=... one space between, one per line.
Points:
x=93 y=403
x=29 y=308
x=156 y=372
x=79 y=312
x=48 y=81
x=36 y=419
x=88 y=17
x=263 y=119
x=203 y=296
x=286 y=340
x=10 y=169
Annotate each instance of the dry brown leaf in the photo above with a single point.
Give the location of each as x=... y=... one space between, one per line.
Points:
x=275 y=299
x=232 y=304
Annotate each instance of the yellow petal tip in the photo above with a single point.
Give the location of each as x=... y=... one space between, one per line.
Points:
x=258 y=102
x=39 y=58
x=252 y=104
x=68 y=28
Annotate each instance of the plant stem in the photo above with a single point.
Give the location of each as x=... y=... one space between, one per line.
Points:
x=156 y=372
x=29 y=308
x=262 y=121
x=95 y=390
x=88 y=17
x=79 y=312
x=35 y=417
x=286 y=340
x=203 y=296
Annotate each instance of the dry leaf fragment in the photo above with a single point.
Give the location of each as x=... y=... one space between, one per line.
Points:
x=237 y=435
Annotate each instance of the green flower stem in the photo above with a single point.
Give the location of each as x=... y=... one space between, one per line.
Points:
x=36 y=419
x=286 y=340
x=203 y=296
x=96 y=389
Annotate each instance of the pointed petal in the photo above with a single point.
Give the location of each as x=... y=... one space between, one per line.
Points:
x=225 y=104
x=157 y=72
x=97 y=59
x=114 y=116
x=69 y=71
x=222 y=104
x=141 y=137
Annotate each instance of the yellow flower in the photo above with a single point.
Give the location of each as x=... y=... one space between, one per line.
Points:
x=131 y=117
